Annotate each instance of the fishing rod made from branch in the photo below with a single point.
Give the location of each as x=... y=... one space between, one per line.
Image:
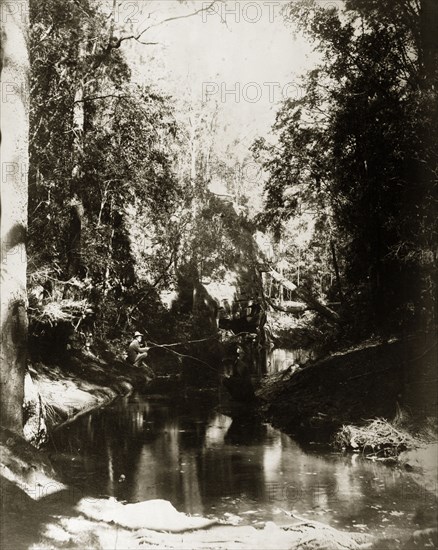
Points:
x=174 y=344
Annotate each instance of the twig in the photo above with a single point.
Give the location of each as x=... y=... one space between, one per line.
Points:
x=167 y=20
x=308 y=522
x=182 y=343
x=189 y=357
x=367 y=374
x=391 y=368
x=423 y=354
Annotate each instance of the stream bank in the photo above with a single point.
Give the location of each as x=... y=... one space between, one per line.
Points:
x=348 y=387
x=56 y=395
x=81 y=382
x=392 y=384
x=189 y=443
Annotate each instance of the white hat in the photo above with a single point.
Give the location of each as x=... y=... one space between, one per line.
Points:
x=137 y=334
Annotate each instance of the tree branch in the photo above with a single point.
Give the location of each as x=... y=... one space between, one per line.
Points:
x=167 y=20
x=95 y=98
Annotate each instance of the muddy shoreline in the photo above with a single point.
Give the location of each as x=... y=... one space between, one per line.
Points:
x=373 y=380
x=82 y=382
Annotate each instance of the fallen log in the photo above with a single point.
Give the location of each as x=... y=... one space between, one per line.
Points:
x=296 y=307
x=305 y=296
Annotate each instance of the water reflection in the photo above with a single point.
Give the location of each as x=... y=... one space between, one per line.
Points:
x=260 y=361
x=208 y=463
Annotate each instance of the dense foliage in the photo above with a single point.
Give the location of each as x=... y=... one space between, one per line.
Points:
x=359 y=151
x=119 y=206
x=101 y=158
x=120 y=179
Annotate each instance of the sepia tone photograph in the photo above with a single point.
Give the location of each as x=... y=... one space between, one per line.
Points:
x=219 y=274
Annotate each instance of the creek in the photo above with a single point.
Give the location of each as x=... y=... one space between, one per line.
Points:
x=211 y=457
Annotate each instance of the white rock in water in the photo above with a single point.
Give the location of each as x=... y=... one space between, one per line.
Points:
x=157 y=515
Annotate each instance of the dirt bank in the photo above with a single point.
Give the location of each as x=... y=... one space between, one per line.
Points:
x=350 y=387
x=81 y=382
x=56 y=394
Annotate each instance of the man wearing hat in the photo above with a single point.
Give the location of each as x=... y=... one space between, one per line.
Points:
x=136 y=354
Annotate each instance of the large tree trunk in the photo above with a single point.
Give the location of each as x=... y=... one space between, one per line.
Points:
x=337 y=273
x=14 y=155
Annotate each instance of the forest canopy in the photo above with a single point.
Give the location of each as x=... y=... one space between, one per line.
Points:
x=359 y=150
x=119 y=199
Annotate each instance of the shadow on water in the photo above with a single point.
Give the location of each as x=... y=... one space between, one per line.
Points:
x=210 y=463
x=209 y=456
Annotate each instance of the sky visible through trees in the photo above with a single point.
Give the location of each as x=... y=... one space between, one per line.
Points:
x=241 y=55
x=164 y=135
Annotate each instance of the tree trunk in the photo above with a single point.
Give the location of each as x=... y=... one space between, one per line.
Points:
x=74 y=256
x=336 y=268
x=313 y=303
x=14 y=154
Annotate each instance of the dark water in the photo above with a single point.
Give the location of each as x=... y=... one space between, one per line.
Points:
x=211 y=457
x=205 y=462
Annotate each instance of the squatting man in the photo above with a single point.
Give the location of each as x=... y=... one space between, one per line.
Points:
x=138 y=354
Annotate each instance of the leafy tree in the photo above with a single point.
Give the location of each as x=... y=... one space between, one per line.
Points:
x=102 y=156
x=355 y=149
